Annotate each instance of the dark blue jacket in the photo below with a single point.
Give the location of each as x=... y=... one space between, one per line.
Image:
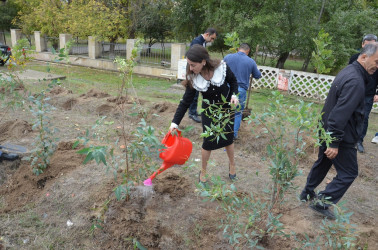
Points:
x=198 y=40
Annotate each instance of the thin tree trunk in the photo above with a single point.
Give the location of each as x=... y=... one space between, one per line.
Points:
x=306 y=61
x=321 y=10
x=282 y=59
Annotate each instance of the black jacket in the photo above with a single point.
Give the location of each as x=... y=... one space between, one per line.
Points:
x=343 y=111
x=372 y=86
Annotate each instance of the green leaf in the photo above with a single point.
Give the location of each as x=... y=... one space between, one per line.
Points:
x=88 y=158
x=75 y=144
x=84 y=151
x=139 y=245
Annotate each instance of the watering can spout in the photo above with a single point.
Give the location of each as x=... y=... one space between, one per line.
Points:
x=163 y=167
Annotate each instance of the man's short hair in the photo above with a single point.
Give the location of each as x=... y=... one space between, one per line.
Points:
x=369 y=37
x=244 y=46
x=211 y=31
x=369 y=49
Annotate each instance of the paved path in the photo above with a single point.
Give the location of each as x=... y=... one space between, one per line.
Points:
x=37 y=75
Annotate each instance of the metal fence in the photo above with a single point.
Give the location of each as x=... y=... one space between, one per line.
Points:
x=79 y=47
x=5 y=38
x=113 y=50
x=30 y=39
x=158 y=54
x=52 y=43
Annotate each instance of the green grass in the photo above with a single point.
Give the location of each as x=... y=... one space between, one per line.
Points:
x=82 y=79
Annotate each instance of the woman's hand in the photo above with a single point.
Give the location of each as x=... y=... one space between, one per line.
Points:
x=234 y=100
x=173 y=127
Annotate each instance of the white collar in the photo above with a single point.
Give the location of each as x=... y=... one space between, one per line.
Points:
x=201 y=84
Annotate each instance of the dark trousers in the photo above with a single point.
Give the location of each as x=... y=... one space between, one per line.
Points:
x=369 y=100
x=193 y=106
x=346 y=168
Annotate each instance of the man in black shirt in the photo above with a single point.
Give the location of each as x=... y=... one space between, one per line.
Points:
x=343 y=114
x=371 y=92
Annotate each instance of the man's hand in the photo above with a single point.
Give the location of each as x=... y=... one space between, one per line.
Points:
x=375 y=98
x=331 y=153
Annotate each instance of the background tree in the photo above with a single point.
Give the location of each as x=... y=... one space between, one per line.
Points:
x=347 y=22
x=103 y=19
x=155 y=21
x=41 y=15
x=8 y=11
x=188 y=19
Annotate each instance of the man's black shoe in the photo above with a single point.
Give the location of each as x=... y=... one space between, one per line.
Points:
x=360 y=147
x=304 y=196
x=325 y=212
x=195 y=118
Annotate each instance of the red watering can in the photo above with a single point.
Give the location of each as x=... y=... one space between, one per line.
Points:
x=177 y=151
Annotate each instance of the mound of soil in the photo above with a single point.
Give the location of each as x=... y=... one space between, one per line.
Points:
x=67 y=105
x=164 y=107
x=18 y=87
x=59 y=90
x=124 y=99
x=14 y=129
x=104 y=109
x=117 y=100
x=95 y=93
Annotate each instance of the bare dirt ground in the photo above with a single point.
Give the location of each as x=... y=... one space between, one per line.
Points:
x=36 y=212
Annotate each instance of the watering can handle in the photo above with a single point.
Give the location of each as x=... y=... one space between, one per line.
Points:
x=169 y=134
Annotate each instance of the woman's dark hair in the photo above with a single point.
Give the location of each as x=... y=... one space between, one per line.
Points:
x=197 y=53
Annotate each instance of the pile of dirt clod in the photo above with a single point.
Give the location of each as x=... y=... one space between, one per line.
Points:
x=6 y=90
x=123 y=99
x=24 y=187
x=68 y=105
x=57 y=90
x=164 y=107
x=117 y=100
x=95 y=93
x=14 y=129
x=104 y=109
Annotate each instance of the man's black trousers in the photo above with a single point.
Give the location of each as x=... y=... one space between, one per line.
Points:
x=346 y=168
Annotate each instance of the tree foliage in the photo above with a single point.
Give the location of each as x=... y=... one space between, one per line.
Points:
x=280 y=28
x=8 y=11
x=154 y=20
x=103 y=19
x=322 y=57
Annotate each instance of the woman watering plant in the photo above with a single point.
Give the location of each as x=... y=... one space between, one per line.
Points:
x=214 y=79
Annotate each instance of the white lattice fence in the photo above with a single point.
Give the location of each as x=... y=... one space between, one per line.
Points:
x=300 y=83
x=310 y=85
x=269 y=78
